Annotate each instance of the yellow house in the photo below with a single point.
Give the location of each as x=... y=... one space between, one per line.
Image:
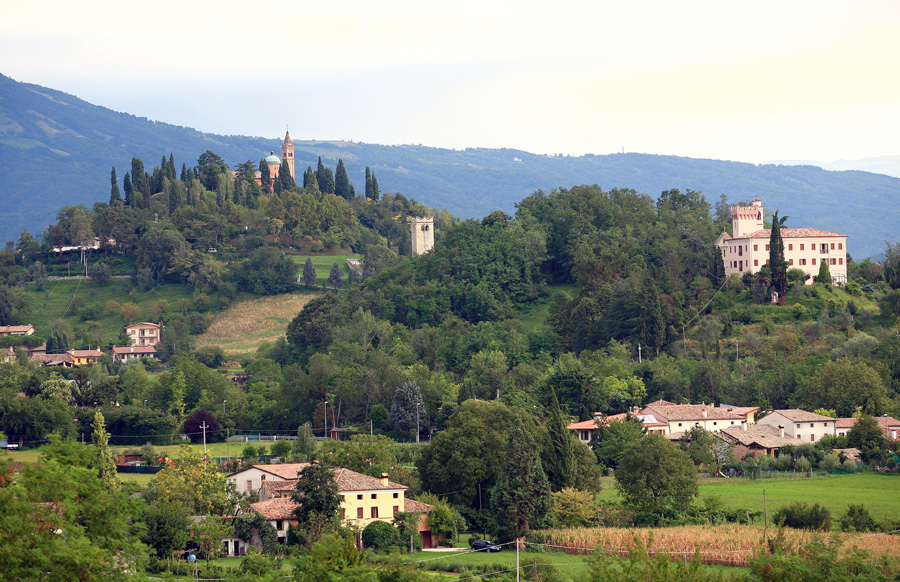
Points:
x=84 y=357
x=364 y=499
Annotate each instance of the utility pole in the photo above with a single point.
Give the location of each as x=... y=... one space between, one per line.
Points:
x=417 y=422
x=204 y=427
x=326 y=420
x=765 y=510
x=639 y=353
x=517 y=559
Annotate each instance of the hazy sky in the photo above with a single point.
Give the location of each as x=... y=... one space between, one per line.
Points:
x=748 y=81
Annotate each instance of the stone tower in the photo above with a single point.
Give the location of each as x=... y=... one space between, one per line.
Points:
x=287 y=152
x=422 y=234
x=747 y=219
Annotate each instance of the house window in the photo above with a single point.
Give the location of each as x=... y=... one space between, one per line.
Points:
x=374 y=513
x=790 y=261
x=813 y=261
x=715 y=423
x=802 y=261
x=249 y=485
x=755 y=247
x=740 y=251
x=359 y=513
x=262 y=477
x=755 y=262
x=790 y=247
x=278 y=525
x=359 y=496
x=812 y=437
x=812 y=425
x=396 y=495
x=801 y=247
x=767 y=261
x=374 y=496
x=767 y=247
x=798 y=426
x=679 y=424
x=840 y=246
x=396 y=510
x=841 y=261
x=832 y=246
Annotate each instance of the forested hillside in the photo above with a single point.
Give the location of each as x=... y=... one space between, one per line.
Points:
x=57 y=148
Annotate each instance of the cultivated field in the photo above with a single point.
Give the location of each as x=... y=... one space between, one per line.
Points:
x=878 y=492
x=243 y=326
x=724 y=545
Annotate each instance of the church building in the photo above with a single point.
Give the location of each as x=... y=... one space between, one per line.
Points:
x=747 y=248
x=274 y=162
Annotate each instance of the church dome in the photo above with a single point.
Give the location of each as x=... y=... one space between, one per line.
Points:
x=273 y=160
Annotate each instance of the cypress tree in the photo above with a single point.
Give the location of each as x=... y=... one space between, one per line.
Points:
x=309 y=273
x=521 y=498
x=114 y=196
x=264 y=177
x=310 y=180
x=375 y=194
x=284 y=176
x=129 y=191
x=368 y=183
x=324 y=178
x=335 y=276
x=776 y=256
x=824 y=273
x=185 y=177
x=104 y=462
x=562 y=469
x=342 y=185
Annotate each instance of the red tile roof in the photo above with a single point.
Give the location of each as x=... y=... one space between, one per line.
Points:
x=278 y=508
x=797 y=415
x=791 y=233
x=346 y=479
x=14 y=329
x=583 y=425
x=85 y=353
x=764 y=435
x=417 y=506
x=52 y=359
x=134 y=350
x=670 y=412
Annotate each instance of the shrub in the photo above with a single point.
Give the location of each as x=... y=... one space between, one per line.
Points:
x=799 y=311
x=800 y=515
x=281 y=449
x=858 y=518
x=381 y=536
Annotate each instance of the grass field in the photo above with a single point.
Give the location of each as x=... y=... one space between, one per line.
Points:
x=533 y=317
x=323 y=264
x=243 y=326
x=878 y=492
x=66 y=299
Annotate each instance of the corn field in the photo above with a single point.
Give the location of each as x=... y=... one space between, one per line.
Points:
x=725 y=545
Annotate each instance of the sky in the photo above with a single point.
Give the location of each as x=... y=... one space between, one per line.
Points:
x=733 y=80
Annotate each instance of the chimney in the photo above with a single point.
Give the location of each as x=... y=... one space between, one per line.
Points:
x=705 y=413
x=744 y=425
x=780 y=431
x=384 y=479
x=635 y=410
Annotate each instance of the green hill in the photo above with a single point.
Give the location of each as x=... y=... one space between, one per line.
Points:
x=56 y=149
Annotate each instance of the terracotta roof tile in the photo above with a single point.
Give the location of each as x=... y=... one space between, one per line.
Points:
x=764 y=435
x=278 y=508
x=583 y=425
x=672 y=412
x=797 y=415
x=791 y=233
x=418 y=506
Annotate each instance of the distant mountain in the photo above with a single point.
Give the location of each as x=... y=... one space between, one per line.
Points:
x=56 y=149
x=888 y=165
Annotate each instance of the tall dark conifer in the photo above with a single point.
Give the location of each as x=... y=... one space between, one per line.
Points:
x=562 y=469
x=368 y=183
x=284 y=176
x=324 y=178
x=375 y=194
x=129 y=191
x=342 y=185
x=521 y=498
x=265 y=177
x=776 y=256
x=114 y=196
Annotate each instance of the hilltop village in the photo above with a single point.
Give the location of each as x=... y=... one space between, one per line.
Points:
x=254 y=363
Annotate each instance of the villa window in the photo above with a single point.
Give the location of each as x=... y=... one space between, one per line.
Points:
x=755 y=247
x=790 y=261
x=374 y=496
x=801 y=247
x=396 y=510
x=767 y=247
x=841 y=261
x=840 y=246
x=790 y=247
x=813 y=261
x=359 y=513
x=755 y=262
x=374 y=513
x=832 y=246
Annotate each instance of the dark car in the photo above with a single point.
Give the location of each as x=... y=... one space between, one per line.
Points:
x=484 y=546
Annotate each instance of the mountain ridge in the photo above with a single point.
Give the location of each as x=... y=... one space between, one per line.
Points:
x=56 y=149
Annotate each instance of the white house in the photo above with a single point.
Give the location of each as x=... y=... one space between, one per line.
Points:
x=800 y=424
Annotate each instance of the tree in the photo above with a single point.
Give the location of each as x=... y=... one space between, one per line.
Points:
x=561 y=468
x=844 y=386
x=324 y=178
x=253 y=524
x=195 y=483
x=334 y=277
x=305 y=445
x=208 y=532
x=114 y=196
x=407 y=522
x=656 y=476
x=381 y=536
x=776 y=256
x=129 y=190
x=408 y=412
x=267 y=272
x=521 y=498
x=167 y=528
x=824 y=273
x=319 y=499
x=342 y=185
x=309 y=273
x=613 y=437
x=105 y=461
x=193 y=427
x=100 y=273
x=867 y=436
x=285 y=178
x=573 y=508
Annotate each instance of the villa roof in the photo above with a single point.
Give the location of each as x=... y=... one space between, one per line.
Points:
x=764 y=435
x=143 y=324
x=52 y=359
x=85 y=353
x=134 y=350
x=766 y=233
x=277 y=508
x=583 y=425
x=670 y=412
x=346 y=479
x=14 y=329
x=417 y=506
x=797 y=415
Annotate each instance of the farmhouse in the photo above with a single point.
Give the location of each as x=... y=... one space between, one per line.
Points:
x=683 y=417
x=890 y=426
x=584 y=430
x=145 y=333
x=125 y=353
x=755 y=439
x=800 y=424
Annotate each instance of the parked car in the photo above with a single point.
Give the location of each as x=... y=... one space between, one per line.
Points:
x=484 y=546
